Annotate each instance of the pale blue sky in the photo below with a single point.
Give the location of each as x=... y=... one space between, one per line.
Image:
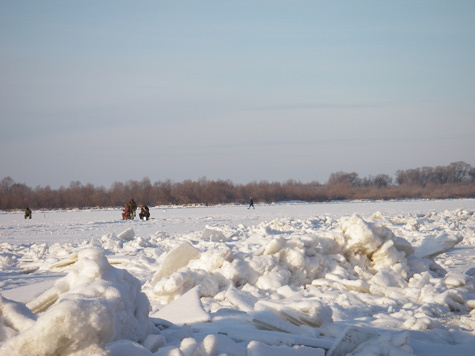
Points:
x=104 y=91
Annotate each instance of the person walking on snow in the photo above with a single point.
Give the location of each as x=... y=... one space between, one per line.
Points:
x=27 y=213
x=251 y=203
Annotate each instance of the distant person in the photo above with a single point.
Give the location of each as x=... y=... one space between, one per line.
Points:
x=126 y=212
x=144 y=213
x=251 y=203
x=132 y=208
x=28 y=213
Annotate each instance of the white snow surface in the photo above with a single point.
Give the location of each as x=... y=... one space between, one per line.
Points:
x=359 y=278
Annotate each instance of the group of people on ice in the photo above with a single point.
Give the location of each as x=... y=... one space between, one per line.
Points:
x=130 y=209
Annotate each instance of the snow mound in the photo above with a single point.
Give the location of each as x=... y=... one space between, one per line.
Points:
x=177 y=258
x=91 y=306
x=433 y=246
x=190 y=301
x=213 y=234
x=127 y=235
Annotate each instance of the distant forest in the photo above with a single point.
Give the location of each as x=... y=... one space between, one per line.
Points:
x=457 y=180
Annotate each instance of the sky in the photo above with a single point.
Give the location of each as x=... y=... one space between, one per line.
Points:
x=110 y=91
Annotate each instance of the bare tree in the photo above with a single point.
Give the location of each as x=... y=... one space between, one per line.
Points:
x=453 y=181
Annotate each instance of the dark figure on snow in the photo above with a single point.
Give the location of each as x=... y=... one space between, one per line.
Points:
x=27 y=213
x=144 y=213
x=132 y=208
x=126 y=212
x=251 y=203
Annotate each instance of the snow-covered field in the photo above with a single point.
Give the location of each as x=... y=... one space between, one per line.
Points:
x=371 y=278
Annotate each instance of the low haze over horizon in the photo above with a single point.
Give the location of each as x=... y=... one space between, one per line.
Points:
x=110 y=91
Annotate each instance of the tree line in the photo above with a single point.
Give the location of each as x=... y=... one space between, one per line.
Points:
x=457 y=180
